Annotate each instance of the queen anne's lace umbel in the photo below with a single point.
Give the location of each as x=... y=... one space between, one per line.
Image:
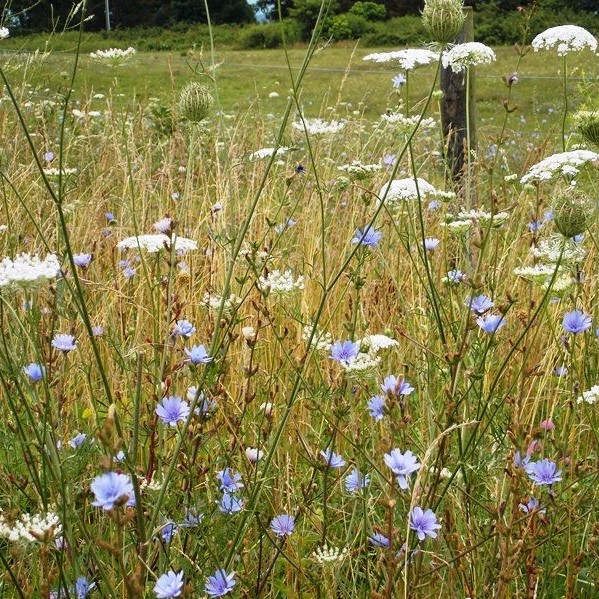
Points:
x=405 y=189
x=156 y=243
x=267 y=152
x=113 y=54
x=565 y=38
x=408 y=59
x=31 y=528
x=26 y=270
x=591 y=396
x=358 y=171
x=318 y=126
x=470 y=54
x=564 y=163
x=407 y=123
x=280 y=283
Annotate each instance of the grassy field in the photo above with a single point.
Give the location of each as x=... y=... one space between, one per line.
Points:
x=307 y=386
x=338 y=82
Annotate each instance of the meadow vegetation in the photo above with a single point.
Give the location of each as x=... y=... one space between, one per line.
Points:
x=248 y=352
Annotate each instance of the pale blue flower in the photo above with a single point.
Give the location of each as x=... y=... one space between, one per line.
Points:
x=402 y=465
x=424 y=523
x=479 y=304
x=230 y=504
x=229 y=481
x=198 y=355
x=220 y=583
x=78 y=440
x=367 y=236
x=576 y=322
x=82 y=260
x=398 y=81
x=332 y=459
x=183 y=328
x=344 y=351
x=112 y=489
x=490 y=323
x=282 y=525
x=355 y=481
x=64 y=342
x=34 y=371
x=376 y=407
x=379 y=540
x=169 y=585
x=544 y=472
x=431 y=244
x=168 y=531
x=396 y=386
x=172 y=410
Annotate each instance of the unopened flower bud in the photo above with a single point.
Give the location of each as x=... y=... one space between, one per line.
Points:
x=195 y=102
x=253 y=454
x=443 y=19
x=249 y=334
x=267 y=408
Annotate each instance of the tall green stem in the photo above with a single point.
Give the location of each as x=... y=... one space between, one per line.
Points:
x=565 y=104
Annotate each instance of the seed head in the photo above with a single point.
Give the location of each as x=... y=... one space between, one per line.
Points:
x=195 y=102
x=587 y=122
x=572 y=212
x=443 y=19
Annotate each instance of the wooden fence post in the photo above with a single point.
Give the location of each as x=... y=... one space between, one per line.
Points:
x=453 y=116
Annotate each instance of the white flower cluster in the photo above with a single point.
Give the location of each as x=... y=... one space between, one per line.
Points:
x=280 y=283
x=591 y=396
x=40 y=527
x=358 y=171
x=470 y=54
x=267 y=152
x=54 y=172
x=156 y=243
x=83 y=116
x=374 y=343
x=368 y=359
x=557 y=249
x=407 y=123
x=318 y=127
x=464 y=220
x=113 y=55
x=400 y=190
x=563 y=163
x=321 y=341
x=253 y=254
x=364 y=363
x=540 y=273
x=565 y=38
x=408 y=59
x=4 y=33
x=382 y=57
x=561 y=284
x=26 y=270
x=328 y=555
x=153 y=485
x=213 y=301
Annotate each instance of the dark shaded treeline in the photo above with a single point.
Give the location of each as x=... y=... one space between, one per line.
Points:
x=44 y=15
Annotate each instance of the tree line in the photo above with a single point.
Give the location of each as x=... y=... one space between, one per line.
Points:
x=45 y=15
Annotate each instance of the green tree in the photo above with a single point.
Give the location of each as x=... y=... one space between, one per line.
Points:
x=306 y=13
x=270 y=8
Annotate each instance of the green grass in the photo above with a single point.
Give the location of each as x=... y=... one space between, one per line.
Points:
x=338 y=82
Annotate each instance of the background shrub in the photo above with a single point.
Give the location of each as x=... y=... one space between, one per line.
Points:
x=369 y=11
